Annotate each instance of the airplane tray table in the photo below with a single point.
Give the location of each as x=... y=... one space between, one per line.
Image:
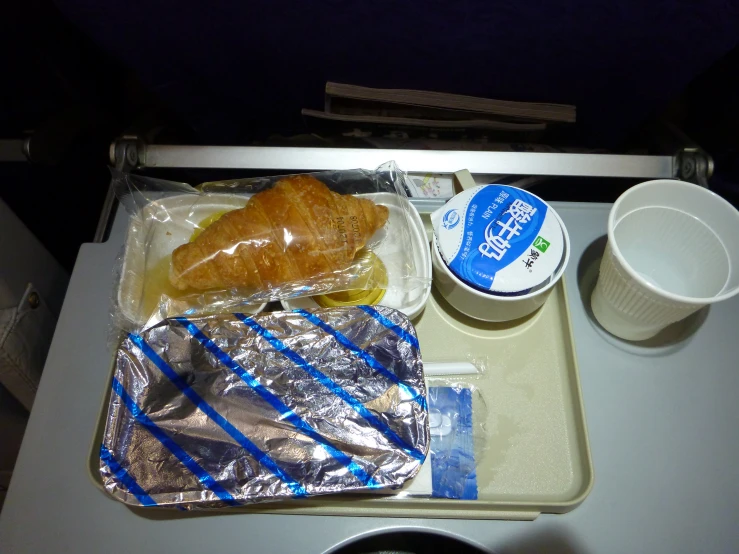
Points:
x=661 y=418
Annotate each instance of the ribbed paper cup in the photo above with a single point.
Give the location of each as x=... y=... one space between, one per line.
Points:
x=673 y=247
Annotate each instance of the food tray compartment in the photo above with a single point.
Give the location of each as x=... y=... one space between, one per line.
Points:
x=537 y=457
x=145 y=271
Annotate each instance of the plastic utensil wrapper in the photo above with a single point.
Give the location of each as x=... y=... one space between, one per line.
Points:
x=230 y=409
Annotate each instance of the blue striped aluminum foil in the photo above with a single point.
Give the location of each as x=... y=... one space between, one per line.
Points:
x=228 y=410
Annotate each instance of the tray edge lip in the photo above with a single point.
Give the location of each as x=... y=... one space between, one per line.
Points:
x=588 y=487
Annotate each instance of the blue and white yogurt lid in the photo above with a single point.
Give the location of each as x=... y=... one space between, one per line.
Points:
x=499 y=239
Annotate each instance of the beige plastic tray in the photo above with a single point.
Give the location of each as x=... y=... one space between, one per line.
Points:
x=537 y=457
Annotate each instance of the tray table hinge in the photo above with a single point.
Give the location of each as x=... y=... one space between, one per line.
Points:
x=694 y=165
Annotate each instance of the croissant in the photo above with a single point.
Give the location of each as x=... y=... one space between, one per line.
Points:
x=296 y=230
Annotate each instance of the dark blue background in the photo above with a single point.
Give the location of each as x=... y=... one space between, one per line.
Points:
x=230 y=68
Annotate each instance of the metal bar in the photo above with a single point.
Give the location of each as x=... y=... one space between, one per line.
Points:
x=105 y=213
x=12 y=151
x=433 y=161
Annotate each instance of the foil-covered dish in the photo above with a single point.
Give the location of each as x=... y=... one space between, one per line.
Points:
x=232 y=409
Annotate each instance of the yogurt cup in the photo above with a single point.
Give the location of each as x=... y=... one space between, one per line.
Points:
x=497 y=252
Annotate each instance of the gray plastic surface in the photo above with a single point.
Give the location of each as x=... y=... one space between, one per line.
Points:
x=662 y=424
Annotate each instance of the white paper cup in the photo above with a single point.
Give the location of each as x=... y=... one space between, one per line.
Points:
x=673 y=247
